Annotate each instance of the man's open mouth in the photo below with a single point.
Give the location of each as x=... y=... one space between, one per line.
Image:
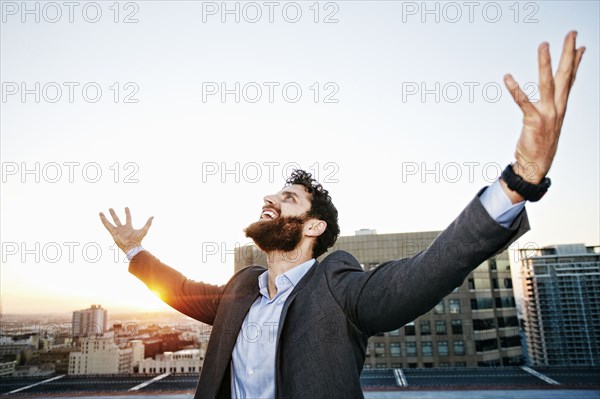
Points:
x=268 y=213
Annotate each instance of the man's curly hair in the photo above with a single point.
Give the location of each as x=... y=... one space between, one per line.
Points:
x=321 y=208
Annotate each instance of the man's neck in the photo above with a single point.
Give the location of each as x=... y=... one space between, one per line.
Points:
x=281 y=262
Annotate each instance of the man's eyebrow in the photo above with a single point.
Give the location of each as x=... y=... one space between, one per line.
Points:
x=286 y=192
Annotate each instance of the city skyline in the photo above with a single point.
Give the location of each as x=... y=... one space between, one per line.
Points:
x=400 y=117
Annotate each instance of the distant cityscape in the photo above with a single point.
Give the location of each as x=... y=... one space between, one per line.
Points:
x=479 y=325
x=89 y=345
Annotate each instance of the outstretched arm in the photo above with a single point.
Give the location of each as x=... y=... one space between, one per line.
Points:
x=397 y=292
x=195 y=299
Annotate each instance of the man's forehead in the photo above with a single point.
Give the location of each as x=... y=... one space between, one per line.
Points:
x=296 y=189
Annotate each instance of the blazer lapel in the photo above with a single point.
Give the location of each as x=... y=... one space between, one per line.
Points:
x=301 y=284
x=237 y=307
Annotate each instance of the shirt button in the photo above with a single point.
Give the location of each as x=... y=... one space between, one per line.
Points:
x=251 y=372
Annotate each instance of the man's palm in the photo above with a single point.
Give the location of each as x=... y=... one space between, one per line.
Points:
x=125 y=236
x=543 y=121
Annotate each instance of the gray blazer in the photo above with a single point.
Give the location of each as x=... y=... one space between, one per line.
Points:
x=334 y=309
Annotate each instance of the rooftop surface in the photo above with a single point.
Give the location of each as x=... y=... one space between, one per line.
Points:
x=516 y=382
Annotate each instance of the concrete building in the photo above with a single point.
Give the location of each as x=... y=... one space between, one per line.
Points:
x=183 y=361
x=7 y=368
x=104 y=356
x=90 y=322
x=20 y=347
x=58 y=357
x=475 y=326
x=561 y=286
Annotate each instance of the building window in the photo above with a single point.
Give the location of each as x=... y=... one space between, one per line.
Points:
x=460 y=364
x=440 y=327
x=425 y=327
x=411 y=349
x=395 y=350
x=409 y=329
x=482 y=303
x=457 y=328
x=484 y=324
x=459 y=347
x=495 y=283
x=442 y=347
x=492 y=263
x=505 y=302
x=471 y=284
x=510 y=342
x=381 y=366
x=454 y=306
x=426 y=348
x=439 y=308
x=395 y=333
x=508 y=283
x=379 y=349
x=444 y=364
x=486 y=345
x=510 y=321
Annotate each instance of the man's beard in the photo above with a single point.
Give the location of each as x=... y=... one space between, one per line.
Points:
x=281 y=234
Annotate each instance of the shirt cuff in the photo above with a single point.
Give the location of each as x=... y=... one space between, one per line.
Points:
x=134 y=251
x=498 y=205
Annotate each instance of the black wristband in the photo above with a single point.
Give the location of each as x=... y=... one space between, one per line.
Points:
x=531 y=192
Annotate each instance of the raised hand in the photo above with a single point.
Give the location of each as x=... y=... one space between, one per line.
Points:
x=543 y=121
x=125 y=236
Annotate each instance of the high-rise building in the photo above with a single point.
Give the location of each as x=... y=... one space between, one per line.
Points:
x=561 y=286
x=475 y=325
x=90 y=322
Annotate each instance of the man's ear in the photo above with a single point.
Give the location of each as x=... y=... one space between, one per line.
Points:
x=314 y=227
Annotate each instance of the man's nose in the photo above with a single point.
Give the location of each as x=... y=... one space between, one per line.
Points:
x=269 y=199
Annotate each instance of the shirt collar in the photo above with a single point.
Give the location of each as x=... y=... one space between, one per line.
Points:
x=295 y=274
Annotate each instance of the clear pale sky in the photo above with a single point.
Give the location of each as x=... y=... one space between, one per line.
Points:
x=399 y=91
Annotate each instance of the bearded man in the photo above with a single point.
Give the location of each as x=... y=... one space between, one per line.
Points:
x=315 y=317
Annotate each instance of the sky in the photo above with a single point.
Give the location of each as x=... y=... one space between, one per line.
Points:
x=192 y=112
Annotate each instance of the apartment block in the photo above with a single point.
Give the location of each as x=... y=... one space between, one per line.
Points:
x=90 y=322
x=561 y=285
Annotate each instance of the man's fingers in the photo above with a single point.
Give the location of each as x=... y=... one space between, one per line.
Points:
x=578 y=57
x=128 y=217
x=545 y=74
x=566 y=70
x=147 y=225
x=562 y=96
x=567 y=58
x=106 y=223
x=115 y=217
x=518 y=95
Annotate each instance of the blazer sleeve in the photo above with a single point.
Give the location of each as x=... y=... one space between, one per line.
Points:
x=197 y=300
x=398 y=291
